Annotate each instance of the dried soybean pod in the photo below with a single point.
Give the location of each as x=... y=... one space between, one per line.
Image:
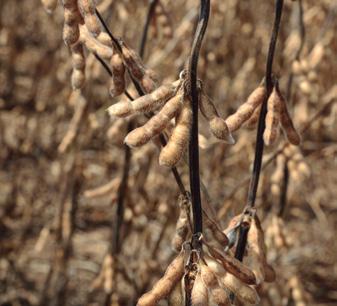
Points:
x=117 y=84
x=254 y=119
x=104 y=39
x=233 y=266
x=218 y=235
x=181 y=226
x=286 y=122
x=245 y=111
x=166 y=284
x=174 y=149
x=77 y=56
x=233 y=223
x=72 y=17
x=218 y=295
x=133 y=61
x=176 y=297
x=243 y=292
x=77 y=79
x=220 y=130
x=272 y=118
x=90 y=19
x=94 y=45
x=147 y=83
x=217 y=125
x=143 y=104
x=156 y=124
x=155 y=99
x=269 y=272
x=121 y=109
x=78 y=62
x=199 y=296
x=71 y=34
x=137 y=69
x=208 y=276
x=49 y=5
x=256 y=254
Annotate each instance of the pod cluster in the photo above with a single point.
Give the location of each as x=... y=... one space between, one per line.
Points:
x=277 y=115
x=172 y=102
x=83 y=30
x=212 y=275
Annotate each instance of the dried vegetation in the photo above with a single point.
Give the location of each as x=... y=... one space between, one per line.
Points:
x=86 y=220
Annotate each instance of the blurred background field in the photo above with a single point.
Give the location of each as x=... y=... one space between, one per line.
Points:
x=55 y=231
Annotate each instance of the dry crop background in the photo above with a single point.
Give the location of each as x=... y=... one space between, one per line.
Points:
x=62 y=159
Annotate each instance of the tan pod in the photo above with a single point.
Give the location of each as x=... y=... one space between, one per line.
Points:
x=166 y=284
x=246 y=110
x=175 y=147
x=156 y=124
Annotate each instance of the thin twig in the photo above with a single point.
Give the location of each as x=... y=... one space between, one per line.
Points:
x=121 y=193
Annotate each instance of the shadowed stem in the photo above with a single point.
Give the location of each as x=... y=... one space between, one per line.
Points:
x=121 y=194
x=260 y=130
x=193 y=144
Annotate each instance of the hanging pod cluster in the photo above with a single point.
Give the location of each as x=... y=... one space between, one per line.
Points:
x=277 y=114
x=209 y=276
x=255 y=257
x=82 y=28
x=211 y=229
x=172 y=102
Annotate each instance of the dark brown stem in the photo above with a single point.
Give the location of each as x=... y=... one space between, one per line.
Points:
x=194 y=145
x=121 y=194
x=269 y=87
x=261 y=127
